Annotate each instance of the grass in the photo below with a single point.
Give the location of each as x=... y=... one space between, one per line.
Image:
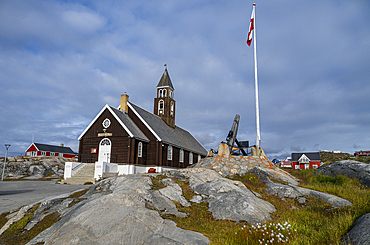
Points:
x=314 y=222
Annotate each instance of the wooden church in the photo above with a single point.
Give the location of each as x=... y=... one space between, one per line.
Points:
x=133 y=136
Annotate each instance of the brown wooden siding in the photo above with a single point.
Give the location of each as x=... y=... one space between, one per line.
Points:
x=152 y=145
x=119 y=140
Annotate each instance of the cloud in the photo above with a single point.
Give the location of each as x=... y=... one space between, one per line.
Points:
x=62 y=61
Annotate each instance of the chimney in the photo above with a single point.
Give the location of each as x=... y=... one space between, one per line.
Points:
x=62 y=145
x=123 y=106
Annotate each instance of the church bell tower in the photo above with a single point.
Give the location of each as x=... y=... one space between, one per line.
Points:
x=164 y=104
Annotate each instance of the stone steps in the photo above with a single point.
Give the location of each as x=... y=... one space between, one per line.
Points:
x=84 y=175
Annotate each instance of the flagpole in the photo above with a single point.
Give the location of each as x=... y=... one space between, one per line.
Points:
x=258 y=141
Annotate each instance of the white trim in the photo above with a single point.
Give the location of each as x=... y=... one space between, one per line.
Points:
x=33 y=144
x=97 y=116
x=140 y=149
x=169 y=153
x=143 y=121
x=181 y=156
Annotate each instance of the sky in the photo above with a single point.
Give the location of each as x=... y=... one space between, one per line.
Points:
x=62 y=61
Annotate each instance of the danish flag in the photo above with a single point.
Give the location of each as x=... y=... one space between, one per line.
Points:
x=251 y=28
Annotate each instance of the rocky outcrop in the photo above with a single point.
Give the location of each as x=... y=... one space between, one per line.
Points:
x=24 y=167
x=126 y=210
x=360 y=233
x=228 y=199
x=240 y=165
x=349 y=168
x=293 y=191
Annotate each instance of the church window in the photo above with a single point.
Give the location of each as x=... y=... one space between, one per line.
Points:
x=190 y=158
x=169 y=153
x=160 y=107
x=172 y=108
x=181 y=155
x=171 y=94
x=160 y=93
x=164 y=92
x=140 y=149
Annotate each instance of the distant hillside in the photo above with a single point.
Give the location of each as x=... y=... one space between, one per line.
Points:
x=329 y=157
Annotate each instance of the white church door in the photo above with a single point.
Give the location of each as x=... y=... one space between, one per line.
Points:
x=104 y=150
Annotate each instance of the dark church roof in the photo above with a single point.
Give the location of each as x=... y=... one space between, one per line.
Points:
x=131 y=126
x=53 y=148
x=165 y=80
x=173 y=136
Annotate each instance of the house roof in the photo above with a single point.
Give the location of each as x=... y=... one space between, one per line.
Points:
x=123 y=119
x=52 y=148
x=313 y=156
x=165 y=80
x=177 y=136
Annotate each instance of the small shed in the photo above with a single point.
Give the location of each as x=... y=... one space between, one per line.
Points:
x=286 y=164
x=37 y=149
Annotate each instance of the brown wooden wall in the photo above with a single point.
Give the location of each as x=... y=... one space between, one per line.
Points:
x=151 y=147
x=119 y=140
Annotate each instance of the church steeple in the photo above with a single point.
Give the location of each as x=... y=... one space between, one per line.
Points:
x=164 y=104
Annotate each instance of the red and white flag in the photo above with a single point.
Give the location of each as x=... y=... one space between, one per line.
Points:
x=251 y=28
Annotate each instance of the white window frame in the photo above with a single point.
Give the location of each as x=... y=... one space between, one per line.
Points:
x=190 y=158
x=140 y=149
x=52 y=154
x=296 y=166
x=61 y=154
x=164 y=92
x=160 y=110
x=43 y=153
x=181 y=156
x=199 y=157
x=172 y=107
x=169 y=153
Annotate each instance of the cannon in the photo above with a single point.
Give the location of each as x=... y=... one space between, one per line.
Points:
x=231 y=139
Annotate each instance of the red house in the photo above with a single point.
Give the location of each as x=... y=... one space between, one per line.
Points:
x=306 y=160
x=362 y=153
x=37 y=149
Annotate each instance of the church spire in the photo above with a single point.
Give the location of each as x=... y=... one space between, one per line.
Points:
x=164 y=104
x=165 y=80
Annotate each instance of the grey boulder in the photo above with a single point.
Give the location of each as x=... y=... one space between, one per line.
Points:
x=349 y=168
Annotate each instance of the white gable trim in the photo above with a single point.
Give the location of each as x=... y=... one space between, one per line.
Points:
x=303 y=157
x=143 y=121
x=96 y=118
x=33 y=144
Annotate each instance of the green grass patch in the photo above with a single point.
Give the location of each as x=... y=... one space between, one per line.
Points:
x=78 y=193
x=157 y=181
x=3 y=219
x=15 y=235
x=313 y=222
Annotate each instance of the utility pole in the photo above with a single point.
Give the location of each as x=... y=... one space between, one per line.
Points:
x=6 y=153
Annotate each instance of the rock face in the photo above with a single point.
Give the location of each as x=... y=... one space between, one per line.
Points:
x=34 y=167
x=240 y=165
x=360 y=233
x=126 y=210
x=228 y=199
x=349 y=168
x=292 y=191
